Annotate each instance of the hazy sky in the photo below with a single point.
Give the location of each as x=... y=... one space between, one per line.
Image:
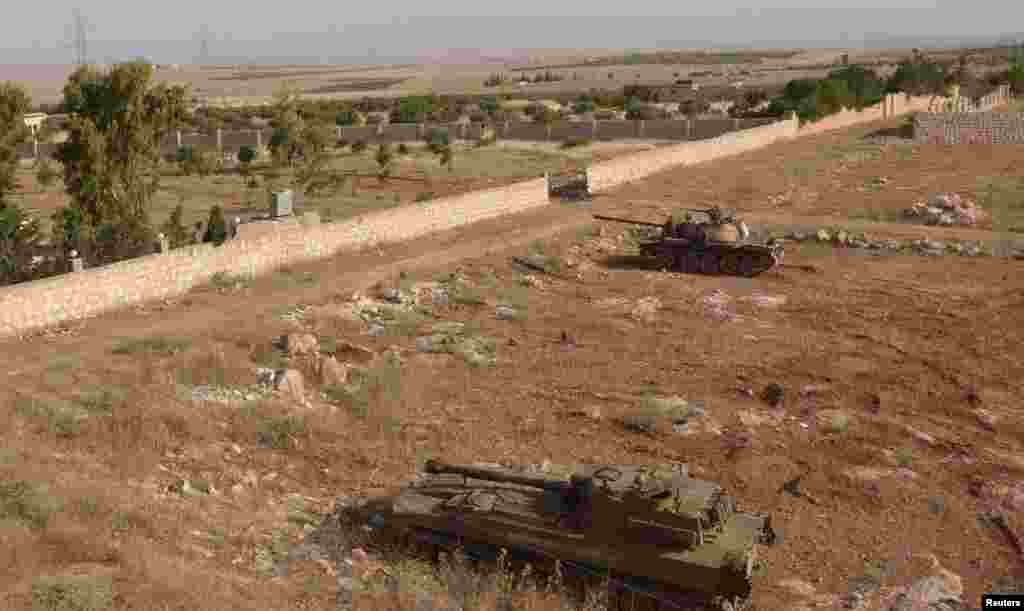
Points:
x=168 y=31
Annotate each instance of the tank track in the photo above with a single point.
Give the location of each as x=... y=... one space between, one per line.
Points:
x=746 y=260
x=624 y=592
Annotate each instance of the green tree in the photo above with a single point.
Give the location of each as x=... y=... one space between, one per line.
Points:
x=46 y=175
x=19 y=238
x=66 y=228
x=300 y=143
x=446 y=156
x=246 y=155
x=489 y=104
x=384 y=158
x=216 y=226
x=112 y=155
x=831 y=96
x=583 y=104
x=864 y=85
x=412 y=109
x=14 y=103
x=437 y=138
x=347 y=117
x=174 y=228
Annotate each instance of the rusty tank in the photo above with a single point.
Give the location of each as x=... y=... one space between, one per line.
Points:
x=654 y=536
x=719 y=243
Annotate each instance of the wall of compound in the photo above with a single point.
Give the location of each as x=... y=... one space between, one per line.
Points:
x=969 y=128
x=93 y=291
x=82 y=294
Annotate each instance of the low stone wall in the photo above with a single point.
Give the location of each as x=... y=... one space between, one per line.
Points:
x=79 y=295
x=969 y=128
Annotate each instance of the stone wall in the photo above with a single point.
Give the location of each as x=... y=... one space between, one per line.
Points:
x=93 y=291
x=31 y=305
x=969 y=128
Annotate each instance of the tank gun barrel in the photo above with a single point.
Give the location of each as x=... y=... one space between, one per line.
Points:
x=437 y=467
x=615 y=219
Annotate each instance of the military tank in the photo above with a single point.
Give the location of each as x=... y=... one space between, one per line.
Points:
x=717 y=244
x=657 y=538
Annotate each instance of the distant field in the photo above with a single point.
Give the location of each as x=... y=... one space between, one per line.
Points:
x=240 y=84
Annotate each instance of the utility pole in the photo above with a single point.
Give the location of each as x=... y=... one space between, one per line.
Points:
x=204 y=45
x=79 y=33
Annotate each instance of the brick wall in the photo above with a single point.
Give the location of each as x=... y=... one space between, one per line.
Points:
x=969 y=128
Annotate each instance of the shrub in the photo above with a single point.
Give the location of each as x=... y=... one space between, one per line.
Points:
x=216 y=226
x=72 y=593
x=359 y=146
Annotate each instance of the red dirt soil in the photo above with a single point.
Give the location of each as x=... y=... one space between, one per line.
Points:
x=910 y=333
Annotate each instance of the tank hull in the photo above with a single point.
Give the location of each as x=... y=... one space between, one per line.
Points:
x=536 y=521
x=715 y=258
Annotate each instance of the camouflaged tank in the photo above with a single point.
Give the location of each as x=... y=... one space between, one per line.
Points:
x=657 y=538
x=716 y=244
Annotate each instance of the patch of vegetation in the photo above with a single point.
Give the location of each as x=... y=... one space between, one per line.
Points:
x=72 y=593
x=424 y=196
x=575 y=142
x=61 y=418
x=904 y=456
x=1003 y=198
x=460 y=339
x=877 y=215
x=837 y=423
x=227 y=281
x=157 y=344
x=290 y=278
x=278 y=431
x=26 y=502
x=100 y=400
x=267 y=355
x=379 y=383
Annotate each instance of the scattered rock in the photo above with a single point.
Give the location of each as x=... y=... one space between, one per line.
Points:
x=986 y=419
x=773 y=394
x=439 y=296
x=946 y=209
x=300 y=344
x=505 y=312
x=391 y=295
x=717 y=305
x=290 y=384
x=331 y=372
x=823 y=235
x=354 y=352
x=646 y=309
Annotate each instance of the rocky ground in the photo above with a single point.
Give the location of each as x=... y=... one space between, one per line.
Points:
x=195 y=453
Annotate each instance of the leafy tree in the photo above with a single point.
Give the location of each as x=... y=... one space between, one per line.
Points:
x=299 y=143
x=831 y=96
x=384 y=158
x=412 y=109
x=489 y=104
x=446 y=156
x=216 y=226
x=46 y=175
x=437 y=138
x=246 y=155
x=174 y=228
x=918 y=76
x=864 y=85
x=19 y=237
x=348 y=117
x=111 y=157
x=583 y=104
x=14 y=103
x=67 y=228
